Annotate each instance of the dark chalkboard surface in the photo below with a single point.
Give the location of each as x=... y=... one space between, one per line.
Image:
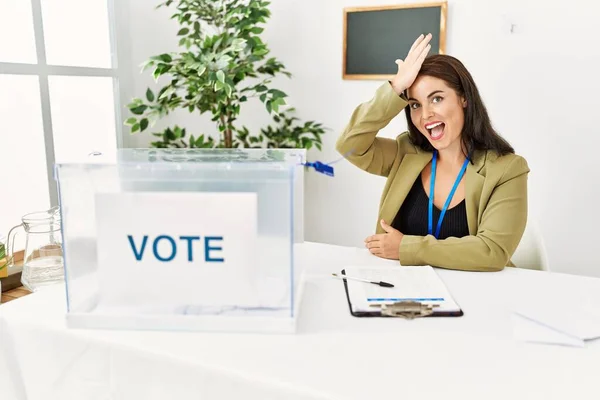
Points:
x=374 y=37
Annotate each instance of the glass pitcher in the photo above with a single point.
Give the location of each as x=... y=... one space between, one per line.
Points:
x=43 y=258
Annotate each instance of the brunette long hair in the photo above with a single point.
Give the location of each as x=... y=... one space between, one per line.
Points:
x=477 y=133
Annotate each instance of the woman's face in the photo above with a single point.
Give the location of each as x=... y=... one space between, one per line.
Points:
x=437 y=111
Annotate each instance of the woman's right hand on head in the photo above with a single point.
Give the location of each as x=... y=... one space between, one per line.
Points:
x=410 y=67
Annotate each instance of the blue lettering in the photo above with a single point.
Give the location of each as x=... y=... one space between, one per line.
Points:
x=168 y=255
x=189 y=240
x=208 y=248
x=173 y=248
x=138 y=255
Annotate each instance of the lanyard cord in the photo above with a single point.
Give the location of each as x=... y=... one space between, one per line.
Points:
x=448 y=200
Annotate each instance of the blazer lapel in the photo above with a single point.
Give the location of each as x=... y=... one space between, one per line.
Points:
x=410 y=168
x=473 y=188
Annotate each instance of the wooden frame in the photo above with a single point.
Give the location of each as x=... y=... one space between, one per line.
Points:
x=442 y=50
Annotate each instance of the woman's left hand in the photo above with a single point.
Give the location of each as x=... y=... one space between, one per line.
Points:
x=385 y=245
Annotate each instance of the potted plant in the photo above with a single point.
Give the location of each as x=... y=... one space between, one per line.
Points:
x=223 y=63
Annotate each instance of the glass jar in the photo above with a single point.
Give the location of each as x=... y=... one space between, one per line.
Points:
x=43 y=258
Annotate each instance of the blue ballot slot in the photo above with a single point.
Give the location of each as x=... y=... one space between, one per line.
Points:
x=182 y=240
x=325 y=168
x=320 y=167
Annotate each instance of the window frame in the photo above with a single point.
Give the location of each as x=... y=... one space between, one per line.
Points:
x=117 y=23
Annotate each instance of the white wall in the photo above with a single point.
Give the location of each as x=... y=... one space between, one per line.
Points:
x=539 y=84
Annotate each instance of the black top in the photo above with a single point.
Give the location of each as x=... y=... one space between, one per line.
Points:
x=412 y=218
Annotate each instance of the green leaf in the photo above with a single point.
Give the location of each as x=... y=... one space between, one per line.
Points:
x=166 y=93
x=279 y=101
x=143 y=124
x=139 y=110
x=157 y=72
x=183 y=31
x=196 y=26
x=135 y=128
x=131 y=121
x=135 y=102
x=276 y=103
x=217 y=43
x=149 y=95
x=178 y=132
x=256 y=30
x=260 y=52
x=145 y=65
x=277 y=93
x=228 y=90
x=221 y=76
x=238 y=44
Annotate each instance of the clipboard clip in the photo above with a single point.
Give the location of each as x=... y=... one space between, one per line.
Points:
x=406 y=309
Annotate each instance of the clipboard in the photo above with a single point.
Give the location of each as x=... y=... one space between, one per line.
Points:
x=399 y=307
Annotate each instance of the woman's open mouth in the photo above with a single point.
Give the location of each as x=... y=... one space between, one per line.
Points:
x=435 y=129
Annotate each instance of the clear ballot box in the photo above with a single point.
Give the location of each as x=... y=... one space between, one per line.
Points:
x=184 y=239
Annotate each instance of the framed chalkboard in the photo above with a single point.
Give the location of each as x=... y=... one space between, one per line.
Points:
x=374 y=37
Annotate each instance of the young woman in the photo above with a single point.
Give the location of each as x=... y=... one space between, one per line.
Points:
x=456 y=194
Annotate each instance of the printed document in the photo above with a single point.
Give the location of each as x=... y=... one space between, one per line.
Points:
x=416 y=283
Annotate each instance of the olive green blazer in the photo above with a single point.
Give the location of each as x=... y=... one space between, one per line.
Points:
x=495 y=191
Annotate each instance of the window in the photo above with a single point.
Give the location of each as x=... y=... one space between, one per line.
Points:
x=59 y=97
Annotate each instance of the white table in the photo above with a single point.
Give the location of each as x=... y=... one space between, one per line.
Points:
x=333 y=355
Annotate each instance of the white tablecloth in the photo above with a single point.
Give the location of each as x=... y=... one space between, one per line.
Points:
x=332 y=356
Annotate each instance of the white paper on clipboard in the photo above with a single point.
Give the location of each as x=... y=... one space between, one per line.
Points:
x=416 y=283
